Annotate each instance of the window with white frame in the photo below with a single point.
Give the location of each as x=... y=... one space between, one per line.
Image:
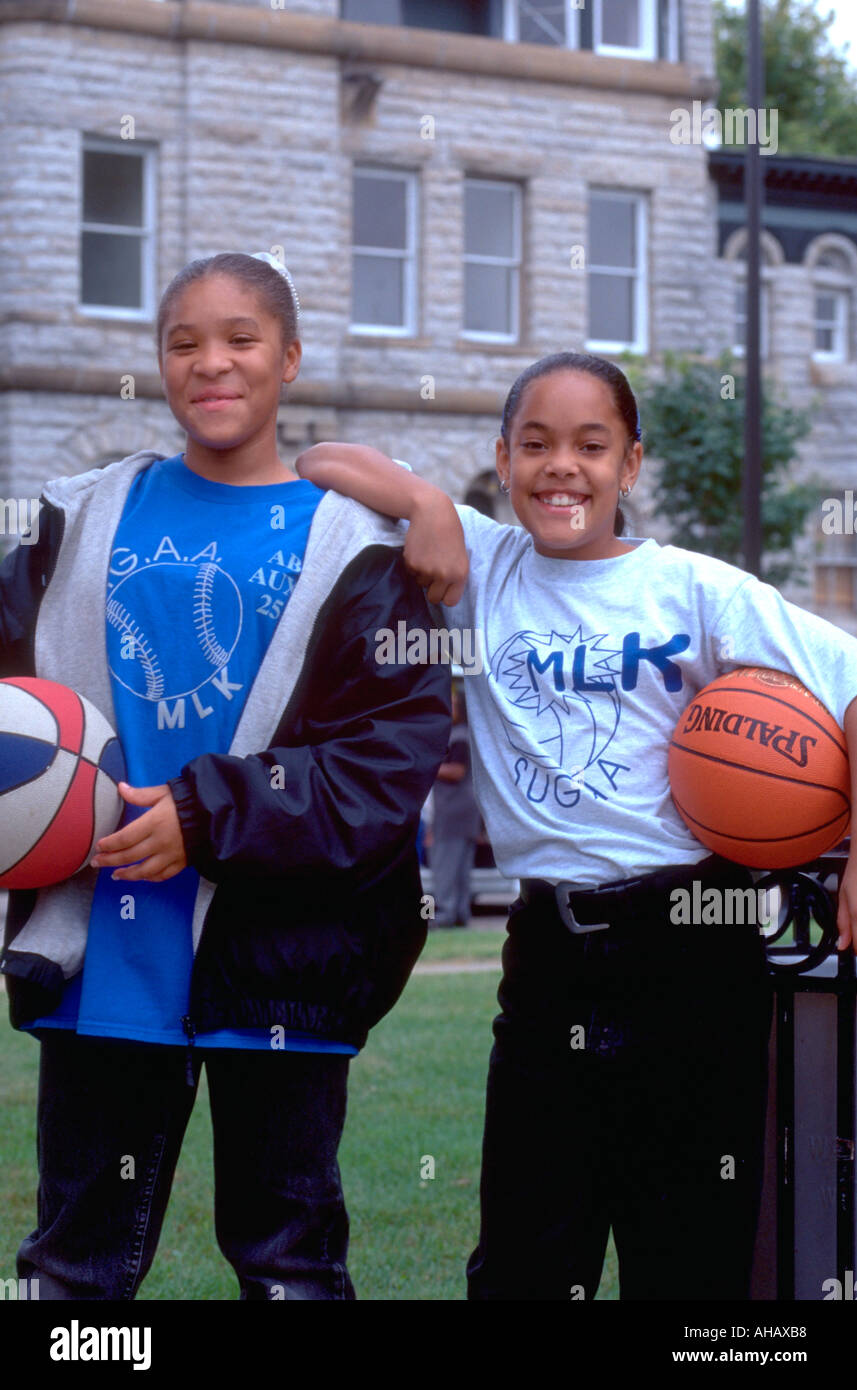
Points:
x=541 y=21
x=117 y=229
x=383 y=277
x=626 y=28
x=456 y=16
x=617 y=279
x=735 y=254
x=740 y=315
x=834 y=277
x=623 y=28
x=492 y=259
x=831 y=324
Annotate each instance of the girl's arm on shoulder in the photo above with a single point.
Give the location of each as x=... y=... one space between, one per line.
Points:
x=434 y=550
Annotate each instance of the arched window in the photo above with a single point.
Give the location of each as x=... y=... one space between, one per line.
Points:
x=832 y=261
x=735 y=251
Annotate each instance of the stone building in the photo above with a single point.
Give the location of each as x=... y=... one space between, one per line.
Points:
x=458 y=187
x=808 y=336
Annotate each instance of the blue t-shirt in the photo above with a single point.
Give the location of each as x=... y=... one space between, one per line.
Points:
x=199 y=575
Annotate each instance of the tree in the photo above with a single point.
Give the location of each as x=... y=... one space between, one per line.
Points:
x=807 y=81
x=693 y=420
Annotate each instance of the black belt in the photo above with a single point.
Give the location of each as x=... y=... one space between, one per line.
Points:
x=594 y=909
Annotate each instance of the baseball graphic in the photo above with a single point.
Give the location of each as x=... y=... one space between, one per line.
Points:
x=203 y=605
x=561 y=728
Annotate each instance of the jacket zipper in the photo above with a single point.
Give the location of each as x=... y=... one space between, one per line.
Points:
x=190 y=1031
x=283 y=722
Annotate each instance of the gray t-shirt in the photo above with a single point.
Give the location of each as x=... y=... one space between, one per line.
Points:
x=587 y=666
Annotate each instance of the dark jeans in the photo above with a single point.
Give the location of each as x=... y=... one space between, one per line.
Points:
x=654 y=1126
x=112 y=1116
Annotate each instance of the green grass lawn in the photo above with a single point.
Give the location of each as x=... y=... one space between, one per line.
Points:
x=416 y=1091
x=470 y=943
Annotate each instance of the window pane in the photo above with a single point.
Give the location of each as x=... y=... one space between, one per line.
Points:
x=458 y=16
x=741 y=318
x=825 y=308
x=611 y=308
x=380 y=212
x=113 y=188
x=378 y=291
x=373 y=11
x=489 y=220
x=620 y=23
x=541 y=21
x=833 y=259
x=767 y=257
x=488 y=299
x=111 y=270
x=741 y=314
x=612 y=232
x=824 y=339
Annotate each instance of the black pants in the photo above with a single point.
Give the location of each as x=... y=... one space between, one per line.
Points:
x=112 y=1116
x=626 y=1088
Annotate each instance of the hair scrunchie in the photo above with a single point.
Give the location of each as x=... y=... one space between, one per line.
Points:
x=281 y=270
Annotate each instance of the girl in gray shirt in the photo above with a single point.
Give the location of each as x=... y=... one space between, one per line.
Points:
x=627 y=1080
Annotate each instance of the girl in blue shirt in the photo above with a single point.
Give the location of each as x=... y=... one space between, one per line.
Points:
x=260 y=909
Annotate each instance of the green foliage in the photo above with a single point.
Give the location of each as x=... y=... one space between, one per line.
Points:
x=807 y=81
x=696 y=429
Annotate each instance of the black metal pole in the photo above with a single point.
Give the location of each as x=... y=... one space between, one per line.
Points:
x=845 y=1132
x=785 y=998
x=752 y=493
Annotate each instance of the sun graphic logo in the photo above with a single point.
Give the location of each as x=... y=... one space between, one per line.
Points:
x=561 y=705
x=201 y=605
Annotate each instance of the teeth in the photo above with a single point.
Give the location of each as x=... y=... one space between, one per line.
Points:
x=563 y=499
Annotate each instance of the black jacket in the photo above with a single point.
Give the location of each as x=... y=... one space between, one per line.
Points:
x=310 y=903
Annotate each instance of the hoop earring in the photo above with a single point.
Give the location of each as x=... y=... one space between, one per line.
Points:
x=504 y=488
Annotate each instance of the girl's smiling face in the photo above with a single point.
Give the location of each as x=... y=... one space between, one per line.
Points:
x=222 y=364
x=568 y=456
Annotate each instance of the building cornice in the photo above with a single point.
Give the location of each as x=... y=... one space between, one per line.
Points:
x=802 y=173
x=335 y=395
x=180 y=20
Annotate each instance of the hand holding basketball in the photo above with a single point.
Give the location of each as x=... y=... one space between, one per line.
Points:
x=154 y=838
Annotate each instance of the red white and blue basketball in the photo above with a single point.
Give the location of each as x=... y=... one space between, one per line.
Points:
x=60 y=765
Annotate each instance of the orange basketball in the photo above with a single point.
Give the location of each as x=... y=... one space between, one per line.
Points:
x=758 y=770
